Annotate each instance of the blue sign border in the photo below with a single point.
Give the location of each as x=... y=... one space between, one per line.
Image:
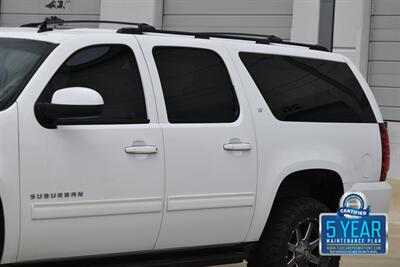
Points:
x=353 y=252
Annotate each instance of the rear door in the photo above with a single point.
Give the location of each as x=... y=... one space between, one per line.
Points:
x=210 y=147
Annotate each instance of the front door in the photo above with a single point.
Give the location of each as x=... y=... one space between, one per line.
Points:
x=82 y=191
x=210 y=147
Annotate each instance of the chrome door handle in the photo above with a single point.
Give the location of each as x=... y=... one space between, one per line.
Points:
x=144 y=149
x=237 y=147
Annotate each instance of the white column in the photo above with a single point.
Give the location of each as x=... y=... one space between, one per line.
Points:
x=351 y=33
x=351 y=29
x=305 y=25
x=351 y=38
x=394 y=138
x=148 y=11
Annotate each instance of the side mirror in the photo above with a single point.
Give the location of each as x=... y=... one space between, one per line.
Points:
x=70 y=103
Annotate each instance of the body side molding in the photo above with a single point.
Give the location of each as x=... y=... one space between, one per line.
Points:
x=75 y=209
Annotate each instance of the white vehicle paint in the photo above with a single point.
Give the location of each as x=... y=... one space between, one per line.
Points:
x=160 y=185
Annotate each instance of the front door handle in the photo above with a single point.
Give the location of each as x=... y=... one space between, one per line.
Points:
x=237 y=147
x=141 y=149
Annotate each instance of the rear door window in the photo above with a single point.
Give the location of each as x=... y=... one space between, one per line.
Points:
x=310 y=90
x=196 y=85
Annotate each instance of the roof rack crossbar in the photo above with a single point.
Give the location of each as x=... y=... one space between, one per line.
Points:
x=53 y=20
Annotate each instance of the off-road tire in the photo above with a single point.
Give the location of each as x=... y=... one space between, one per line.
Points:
x=288 y=214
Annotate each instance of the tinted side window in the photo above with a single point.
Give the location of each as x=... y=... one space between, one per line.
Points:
x=19 y=60
x=112 y=71
x=196 y=85
x=302 y=89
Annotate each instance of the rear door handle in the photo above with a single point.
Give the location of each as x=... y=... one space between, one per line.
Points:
x=237 y=147
x=145 y=149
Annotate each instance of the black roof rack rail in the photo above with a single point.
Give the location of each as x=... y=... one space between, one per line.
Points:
x=143 y=28
x=310 y=46
x=153 y=30
x=54 y=20
x=258 y=38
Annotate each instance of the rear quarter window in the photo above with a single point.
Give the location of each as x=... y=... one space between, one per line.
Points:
x=308 y=90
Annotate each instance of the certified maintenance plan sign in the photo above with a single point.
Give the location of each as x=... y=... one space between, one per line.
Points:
x=353 y=230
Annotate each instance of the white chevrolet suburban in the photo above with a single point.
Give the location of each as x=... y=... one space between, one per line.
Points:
x=156 y=147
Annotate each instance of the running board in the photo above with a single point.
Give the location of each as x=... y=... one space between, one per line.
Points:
x=193 y=257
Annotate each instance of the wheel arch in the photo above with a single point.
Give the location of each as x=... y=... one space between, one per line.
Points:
x=284 y=184
x=325 y=185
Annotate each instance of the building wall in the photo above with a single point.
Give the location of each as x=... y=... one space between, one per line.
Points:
x=305 y=26
x=17 y=12
x=351 y=31
x=147 y=11
x=384 y=59
x=250 y=16
x=384 y=70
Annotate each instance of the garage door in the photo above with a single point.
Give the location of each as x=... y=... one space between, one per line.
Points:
x=17 y=12
x=251 y=16
x=384 y=61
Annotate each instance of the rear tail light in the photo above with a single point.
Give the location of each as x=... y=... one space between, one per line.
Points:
x=385 y=151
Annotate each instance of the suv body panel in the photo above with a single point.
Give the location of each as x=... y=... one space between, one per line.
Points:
x=279 y=149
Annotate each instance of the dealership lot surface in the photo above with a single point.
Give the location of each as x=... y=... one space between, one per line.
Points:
x=393 y=257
